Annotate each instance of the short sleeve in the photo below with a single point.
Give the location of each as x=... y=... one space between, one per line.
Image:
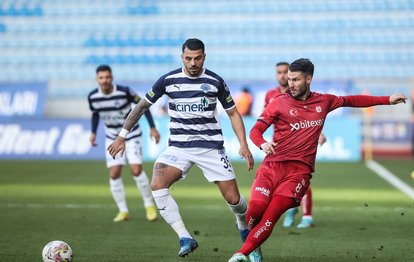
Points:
x=271 y=113
x=90 y=104
x=334 y=101
x=224 y=96
x=157 y=90
x=133 y=96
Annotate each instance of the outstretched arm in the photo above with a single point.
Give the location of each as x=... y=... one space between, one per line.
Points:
x=118 y=146
x=366 y=101
x=397 y=99
x=238 y=128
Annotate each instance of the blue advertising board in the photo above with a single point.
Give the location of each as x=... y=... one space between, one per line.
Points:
x=30 y=138
x=22 y=99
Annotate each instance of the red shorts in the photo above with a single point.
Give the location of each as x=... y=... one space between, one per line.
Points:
x=285 y=178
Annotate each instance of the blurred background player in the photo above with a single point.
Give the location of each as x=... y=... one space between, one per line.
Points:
x=113 y=103
x=282 y=69
x=281 y=77
x=195 y=138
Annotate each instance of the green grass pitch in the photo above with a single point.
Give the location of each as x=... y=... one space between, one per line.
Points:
x=358 y=216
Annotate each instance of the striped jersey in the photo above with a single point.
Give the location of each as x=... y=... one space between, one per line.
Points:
x=192 y=107
x=113 y=109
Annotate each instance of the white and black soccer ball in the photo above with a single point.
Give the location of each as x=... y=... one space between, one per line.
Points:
x=57 y=251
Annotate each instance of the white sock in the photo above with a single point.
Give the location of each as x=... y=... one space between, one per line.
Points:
x=118 y=193
x=168 y=209
x=239 y=210
x=144 y=188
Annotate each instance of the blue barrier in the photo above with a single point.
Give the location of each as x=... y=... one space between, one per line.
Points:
x=22 y=99
x=30 y=138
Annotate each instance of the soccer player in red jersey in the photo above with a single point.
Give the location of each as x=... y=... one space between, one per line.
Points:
x=306 y=202
x=285 y=174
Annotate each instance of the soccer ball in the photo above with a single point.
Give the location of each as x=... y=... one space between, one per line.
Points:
x=57 y=251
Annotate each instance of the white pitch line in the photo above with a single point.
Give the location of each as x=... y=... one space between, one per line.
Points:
x=390 y=178
x=68 y=206
x=211 y=207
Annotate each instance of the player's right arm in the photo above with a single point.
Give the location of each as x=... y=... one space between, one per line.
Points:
x=94 y=120
x=265 y=120
x=94 y=127
x=118 y=146
x=157 y=90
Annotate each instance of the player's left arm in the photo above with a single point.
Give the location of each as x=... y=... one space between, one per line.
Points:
x=153 y=130
x=238 y=128
x=366 y=101
x=155 y=135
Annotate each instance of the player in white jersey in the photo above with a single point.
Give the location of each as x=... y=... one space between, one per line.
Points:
x=113 y=103
x=195 y=138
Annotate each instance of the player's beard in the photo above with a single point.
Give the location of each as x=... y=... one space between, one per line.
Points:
x=284 y=84
x=106 y=88
x=194 y=71
x=299 y=94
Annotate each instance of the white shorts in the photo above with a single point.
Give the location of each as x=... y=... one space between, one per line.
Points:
x=213 y=162
x=133 y=153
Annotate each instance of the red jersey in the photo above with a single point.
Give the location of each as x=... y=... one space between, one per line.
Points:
x=270 y=95
x=298 y=124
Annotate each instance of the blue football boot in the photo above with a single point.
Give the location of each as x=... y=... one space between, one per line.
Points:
x=187 y=245
x=289 y=217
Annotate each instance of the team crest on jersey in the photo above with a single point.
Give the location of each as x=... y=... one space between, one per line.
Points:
x=205 y=88
x=318 y=109
x=293 y=112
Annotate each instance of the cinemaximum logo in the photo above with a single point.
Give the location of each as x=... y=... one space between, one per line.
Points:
x=306 y=124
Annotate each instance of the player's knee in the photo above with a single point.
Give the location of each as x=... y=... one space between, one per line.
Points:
x=157 y=184
x=232 y=199
x=136 y=171
x=115 y=173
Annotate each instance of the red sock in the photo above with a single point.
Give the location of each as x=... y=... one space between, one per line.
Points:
x=254 y=213
x=306 y=203
x=277 y=206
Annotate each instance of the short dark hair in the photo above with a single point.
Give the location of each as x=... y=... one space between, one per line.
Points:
x=193 y=44
x=103 y=68
x=303 y=65
x=282 y=63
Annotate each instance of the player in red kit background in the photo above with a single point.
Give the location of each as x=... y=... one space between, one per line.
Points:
x=281 y=77
x=284 y=176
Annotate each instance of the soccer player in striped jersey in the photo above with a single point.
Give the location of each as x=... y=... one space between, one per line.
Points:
x=284 y=176
x=195 y=138
x=113 y=103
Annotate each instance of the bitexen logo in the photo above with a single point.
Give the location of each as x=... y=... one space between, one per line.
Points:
x=306 y=124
